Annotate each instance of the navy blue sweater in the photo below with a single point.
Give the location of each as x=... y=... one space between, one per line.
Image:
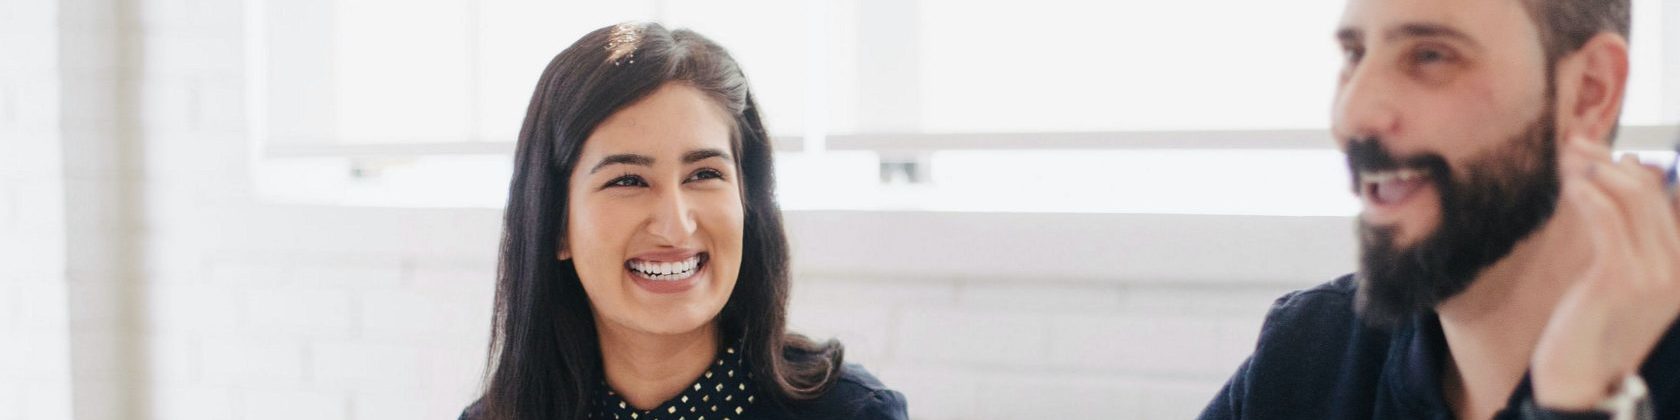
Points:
x=1317 y=360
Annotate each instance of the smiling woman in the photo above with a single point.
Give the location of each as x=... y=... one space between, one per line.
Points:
x=644 y=269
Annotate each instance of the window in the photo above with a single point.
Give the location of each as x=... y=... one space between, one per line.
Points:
x=1047 y=105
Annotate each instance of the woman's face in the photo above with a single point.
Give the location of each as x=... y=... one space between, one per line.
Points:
x=656 y=217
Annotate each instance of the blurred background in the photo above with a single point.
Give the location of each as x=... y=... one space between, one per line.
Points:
x=256 y=209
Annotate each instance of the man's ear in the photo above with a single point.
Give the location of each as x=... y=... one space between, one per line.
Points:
x=1591 y=84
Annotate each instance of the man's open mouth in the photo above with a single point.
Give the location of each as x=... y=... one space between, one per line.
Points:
x=1392 y=186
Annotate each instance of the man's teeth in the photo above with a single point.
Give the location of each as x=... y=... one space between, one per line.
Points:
x=675 y=270
x=1391 y=175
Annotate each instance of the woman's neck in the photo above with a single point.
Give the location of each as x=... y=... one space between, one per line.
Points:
x=648 y=369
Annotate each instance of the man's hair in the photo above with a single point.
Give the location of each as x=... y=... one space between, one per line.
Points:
x=1566 y=25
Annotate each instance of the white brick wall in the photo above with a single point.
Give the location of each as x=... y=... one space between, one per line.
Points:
x=249 y=310
x=34 y=320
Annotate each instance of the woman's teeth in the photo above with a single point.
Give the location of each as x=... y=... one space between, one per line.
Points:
x=666 y=271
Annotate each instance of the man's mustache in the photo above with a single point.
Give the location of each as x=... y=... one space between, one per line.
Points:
x=1369 y=155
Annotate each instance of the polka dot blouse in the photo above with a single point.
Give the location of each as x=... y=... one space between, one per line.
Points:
x=724 y=392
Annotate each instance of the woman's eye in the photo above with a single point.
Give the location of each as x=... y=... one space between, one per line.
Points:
x=627 y=181
x=705 y=174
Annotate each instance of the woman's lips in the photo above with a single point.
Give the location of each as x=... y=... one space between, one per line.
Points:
x=670 y=276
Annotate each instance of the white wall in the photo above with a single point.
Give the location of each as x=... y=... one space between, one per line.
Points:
x=216 y=305
x=34 y=325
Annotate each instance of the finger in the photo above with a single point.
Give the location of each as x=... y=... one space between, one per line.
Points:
x=1647 y=216
x=1600 y=217
x=1652 y=172
x=1579 y=155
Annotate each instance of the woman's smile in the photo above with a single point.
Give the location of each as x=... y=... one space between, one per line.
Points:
x=667 y=271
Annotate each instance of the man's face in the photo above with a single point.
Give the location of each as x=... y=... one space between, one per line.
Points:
x=1446 y=115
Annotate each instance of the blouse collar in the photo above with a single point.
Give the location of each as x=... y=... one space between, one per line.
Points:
x=724 y=392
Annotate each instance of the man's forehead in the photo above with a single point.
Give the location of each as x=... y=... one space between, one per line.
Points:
x=1485 y=21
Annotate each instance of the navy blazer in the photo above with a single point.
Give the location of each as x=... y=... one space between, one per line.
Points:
x=1317 y=359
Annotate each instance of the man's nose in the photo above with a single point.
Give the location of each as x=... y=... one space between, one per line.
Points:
x=1365 y=106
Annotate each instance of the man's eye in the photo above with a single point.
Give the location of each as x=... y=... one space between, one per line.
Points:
x=1430 y=55
x=1353 y=55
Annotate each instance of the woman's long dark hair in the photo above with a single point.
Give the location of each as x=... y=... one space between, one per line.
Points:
x=545 y=357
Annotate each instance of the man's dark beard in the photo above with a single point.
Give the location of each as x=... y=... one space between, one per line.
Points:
x=1503 y=195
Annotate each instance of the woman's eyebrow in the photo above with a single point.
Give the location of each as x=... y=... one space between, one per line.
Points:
x=703 y=154
x=622 y=159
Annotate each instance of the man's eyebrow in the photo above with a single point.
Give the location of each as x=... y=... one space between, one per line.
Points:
x=703 y=154
x=1349 y=35
x=1352 y=35
x=1430 y=30
x=622 y=159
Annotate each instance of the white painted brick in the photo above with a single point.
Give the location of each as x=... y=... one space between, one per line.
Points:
x=1238 y=337
x=458 y=275
x=168 y=103
x=309 y=313
x=407 y=314
x=42 y=306
x=454 y=373
x=447 y=402
x=887 y=291
x=366 y=367
x=973 y=336
x=1245 y=301
x=92 y=13
x=11 y=395
x=87 y=106
x=10 y=199
x=36 y=98
x=934 y=393
x=172 y=361
x=47 y=399
x=89 y=48
x=365 y=273
x=9 y=303
x=101 y=356
x=178 y=54
x=1047 y=396
x=189 y=308
x=389 y=405
x=171 y=259
x=865 y=328
x=291 y=405
x=41 y=209
x=1128 y=343
x=101 y=399
x=93 y=209
x=36 y=355
x=1176 y=399
x=99 y=304
x=244 y=274
x=1040 y=296
x=207 y=17
x=192 y=403
x=222 y=104
x=244 y=361
x=191 y=167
